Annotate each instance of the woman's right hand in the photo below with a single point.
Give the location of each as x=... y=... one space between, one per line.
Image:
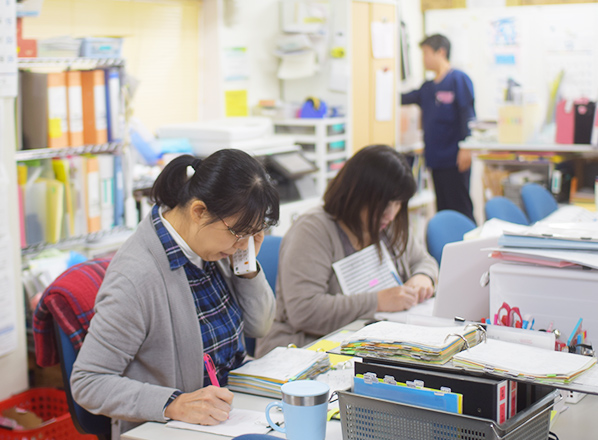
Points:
x=206 y=406
x=396 y=299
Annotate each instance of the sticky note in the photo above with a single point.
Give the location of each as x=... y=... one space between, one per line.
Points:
x=55 y=128
x=374 y=282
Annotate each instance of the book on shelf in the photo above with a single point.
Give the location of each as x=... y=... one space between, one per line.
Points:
x=265 y=376
x=106 y=170
x=93 y=201
x=119 y=191
x=113 y=104
x=63 y=174
x=43 y=103
x=78 y=177
x=75 y=108
x=94 y=107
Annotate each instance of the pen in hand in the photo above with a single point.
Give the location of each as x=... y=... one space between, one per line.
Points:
x=396 y=277
x=211 y=369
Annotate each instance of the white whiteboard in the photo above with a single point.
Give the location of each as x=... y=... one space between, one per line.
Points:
x=530 y=44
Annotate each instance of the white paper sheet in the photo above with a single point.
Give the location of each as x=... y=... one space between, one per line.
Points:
x=384 y=95
x=363 y=271
x=8 y=49
x=240 y=421
x=382 y=39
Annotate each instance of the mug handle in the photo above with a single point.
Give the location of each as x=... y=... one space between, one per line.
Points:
x=273 y=425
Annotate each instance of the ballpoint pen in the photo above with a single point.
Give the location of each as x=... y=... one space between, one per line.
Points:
x=396 y=277
x=211 y=369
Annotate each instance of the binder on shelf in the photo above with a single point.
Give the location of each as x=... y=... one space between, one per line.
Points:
x=78 y=177
x=35 y=213
x=482 y=397
x=410 y=393
x=113 y=104
x=265 y=376
x=63 y=174
x=119 y=192
x=44 y=110
x=55 y=209
x=93 y=199
x=75 y=108
x=106 y=170
x=94 y=107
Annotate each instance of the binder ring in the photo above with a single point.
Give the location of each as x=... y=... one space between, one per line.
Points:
x=291 y=346
x=459 y=336
x=481 y=328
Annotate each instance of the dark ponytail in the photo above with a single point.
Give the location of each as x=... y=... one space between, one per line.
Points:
x=229 y=182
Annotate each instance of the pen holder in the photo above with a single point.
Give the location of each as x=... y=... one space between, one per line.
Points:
x=304 y=405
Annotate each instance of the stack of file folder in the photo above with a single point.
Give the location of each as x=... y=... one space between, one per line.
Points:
x=266 y=375
x=411 y=343
x=523 y=361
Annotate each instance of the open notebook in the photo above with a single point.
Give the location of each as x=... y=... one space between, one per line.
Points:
x=265 y=376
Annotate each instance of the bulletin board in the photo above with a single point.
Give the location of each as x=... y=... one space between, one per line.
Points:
x=530 y=44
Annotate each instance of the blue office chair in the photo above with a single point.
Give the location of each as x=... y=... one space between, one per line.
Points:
x=268 y=258
x=504 y=209
x=81 y=283
x=537 y=201
x=447 y=226
x=84 y=421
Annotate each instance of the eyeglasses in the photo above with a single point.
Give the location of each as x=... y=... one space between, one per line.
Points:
x=238 y=237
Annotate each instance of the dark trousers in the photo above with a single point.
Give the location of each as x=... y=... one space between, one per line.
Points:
x=452 y=190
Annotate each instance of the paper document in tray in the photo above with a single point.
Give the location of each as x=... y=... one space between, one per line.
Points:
x=363 y=271
x=522 y=360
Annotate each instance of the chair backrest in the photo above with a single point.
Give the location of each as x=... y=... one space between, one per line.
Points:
x=446 y=226
x=70 y=280
x=537 y=201
x=268 y=258
x=504 y=209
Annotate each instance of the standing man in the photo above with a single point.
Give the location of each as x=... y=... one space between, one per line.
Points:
x=447 y=107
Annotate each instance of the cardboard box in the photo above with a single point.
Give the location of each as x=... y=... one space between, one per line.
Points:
x=517 y=123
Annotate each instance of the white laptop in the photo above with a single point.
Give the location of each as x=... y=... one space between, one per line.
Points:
x=459 y=291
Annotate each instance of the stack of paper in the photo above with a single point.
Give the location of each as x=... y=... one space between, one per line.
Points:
x=265 y=376
x=516 y=360
x=410 y=343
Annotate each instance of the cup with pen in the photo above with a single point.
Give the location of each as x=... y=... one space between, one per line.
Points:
x=305 y=406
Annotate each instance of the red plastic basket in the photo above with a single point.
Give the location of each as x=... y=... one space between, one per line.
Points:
x=47 y=403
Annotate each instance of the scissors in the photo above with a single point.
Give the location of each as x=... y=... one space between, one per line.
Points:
x=508 y=316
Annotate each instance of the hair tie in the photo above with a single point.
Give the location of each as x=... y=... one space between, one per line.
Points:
x=191 y=169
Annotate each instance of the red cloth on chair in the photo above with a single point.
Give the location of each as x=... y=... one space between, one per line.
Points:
x=69 y=301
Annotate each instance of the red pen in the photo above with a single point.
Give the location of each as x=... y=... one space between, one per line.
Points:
x=207 y=359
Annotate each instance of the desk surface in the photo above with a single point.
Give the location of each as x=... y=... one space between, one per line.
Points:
x=578 y=422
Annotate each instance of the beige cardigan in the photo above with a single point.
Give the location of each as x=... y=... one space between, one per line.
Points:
x=309 y=302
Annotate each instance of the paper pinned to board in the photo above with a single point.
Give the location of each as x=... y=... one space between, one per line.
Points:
x=382 y=39
x=363 y=271
x=384 y=94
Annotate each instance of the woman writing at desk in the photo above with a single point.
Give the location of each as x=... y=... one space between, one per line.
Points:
x=365 y=204
x=170 y=296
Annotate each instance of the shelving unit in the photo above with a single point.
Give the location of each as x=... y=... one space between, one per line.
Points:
x=323 y=141
x=49 y=64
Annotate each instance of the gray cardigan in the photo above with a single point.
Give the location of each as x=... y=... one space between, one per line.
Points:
x=309 y=302
x=144 y=341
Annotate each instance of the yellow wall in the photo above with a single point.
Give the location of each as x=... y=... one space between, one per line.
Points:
x=161 y=47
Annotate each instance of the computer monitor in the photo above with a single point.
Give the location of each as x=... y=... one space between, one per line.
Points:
x=459 y=291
